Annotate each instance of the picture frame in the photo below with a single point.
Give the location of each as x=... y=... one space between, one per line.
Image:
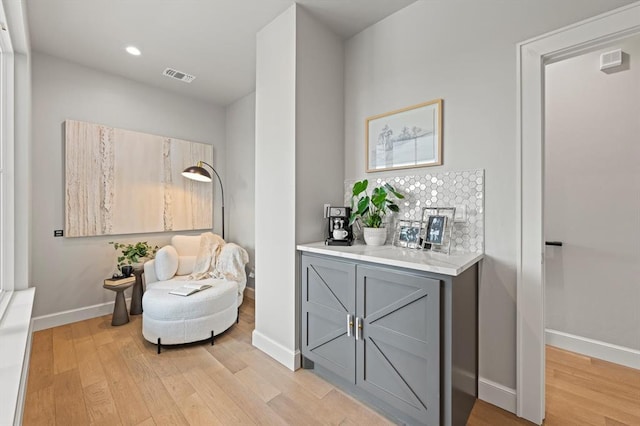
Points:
x=408 y=234
x=440 y=241
x=435 y=230
x=405 y=138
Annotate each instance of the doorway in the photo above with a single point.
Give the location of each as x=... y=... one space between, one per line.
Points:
x=591 y=203
x=532 y=56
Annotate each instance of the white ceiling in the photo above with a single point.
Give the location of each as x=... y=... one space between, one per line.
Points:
x=215 y=40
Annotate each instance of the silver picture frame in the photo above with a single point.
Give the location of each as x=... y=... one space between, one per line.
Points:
x=439 y=242
x=408 y=234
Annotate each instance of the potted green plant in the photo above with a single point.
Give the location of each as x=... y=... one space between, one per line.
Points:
x=131 y=254
x=372 y=209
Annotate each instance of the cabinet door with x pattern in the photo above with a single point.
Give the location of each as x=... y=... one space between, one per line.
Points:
x=327 y=310
x=398 y=340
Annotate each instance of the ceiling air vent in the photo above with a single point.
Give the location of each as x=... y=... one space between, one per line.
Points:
x=178 y=75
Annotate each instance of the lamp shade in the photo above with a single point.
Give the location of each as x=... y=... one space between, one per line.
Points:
x=197 y=173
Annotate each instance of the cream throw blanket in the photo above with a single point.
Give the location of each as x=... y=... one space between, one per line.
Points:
x=210 y=247
x=231 y=262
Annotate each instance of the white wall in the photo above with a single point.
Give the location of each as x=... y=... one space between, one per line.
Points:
x=465 y=53
x=240 y=181
x=68 y=272
x=275 y=188
x=591 y=197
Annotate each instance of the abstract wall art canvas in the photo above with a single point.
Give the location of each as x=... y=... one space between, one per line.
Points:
x=124 y=182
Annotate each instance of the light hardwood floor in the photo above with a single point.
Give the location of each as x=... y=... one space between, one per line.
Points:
x=580 y=391
x=92 y=373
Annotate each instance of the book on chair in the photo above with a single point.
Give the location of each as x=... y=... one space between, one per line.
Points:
x=189 y=289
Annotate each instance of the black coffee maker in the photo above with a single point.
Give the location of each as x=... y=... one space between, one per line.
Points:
x=339 y=231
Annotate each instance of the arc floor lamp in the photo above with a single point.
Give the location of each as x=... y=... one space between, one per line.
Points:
x=201 y=174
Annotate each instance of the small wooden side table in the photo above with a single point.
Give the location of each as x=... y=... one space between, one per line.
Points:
x=120 y=315
x=136 y=295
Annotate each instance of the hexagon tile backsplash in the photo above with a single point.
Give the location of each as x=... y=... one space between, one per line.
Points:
x=445 y=189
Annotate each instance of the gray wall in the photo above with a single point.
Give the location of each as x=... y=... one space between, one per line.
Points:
x=319 y=125
x=240 y=180
x=465 y=53
x=22 y=152
x=275 y=187
x=299 y=149
x=68 y=272
x=591 y=197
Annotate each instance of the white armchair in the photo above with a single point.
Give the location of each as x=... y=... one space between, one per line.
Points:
x=171 y=319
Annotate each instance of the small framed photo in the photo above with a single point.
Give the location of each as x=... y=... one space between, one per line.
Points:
x=407 y=234
x=435 y=230
x=438 y=226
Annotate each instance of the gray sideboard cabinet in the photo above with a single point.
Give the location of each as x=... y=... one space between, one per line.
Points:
x=401 y=340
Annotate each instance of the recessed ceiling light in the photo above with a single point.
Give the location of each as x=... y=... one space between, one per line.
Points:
x=132 y=50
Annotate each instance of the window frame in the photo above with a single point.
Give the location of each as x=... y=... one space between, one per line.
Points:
x=7 y=183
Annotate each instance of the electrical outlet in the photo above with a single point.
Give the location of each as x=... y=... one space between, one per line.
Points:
x=461 y=214
x=326 y=210
x=58 y=233
x=252 y=271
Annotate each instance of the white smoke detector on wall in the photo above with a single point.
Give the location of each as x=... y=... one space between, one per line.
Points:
x=611 y=59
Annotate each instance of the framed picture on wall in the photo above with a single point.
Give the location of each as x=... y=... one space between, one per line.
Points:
x=405 y=138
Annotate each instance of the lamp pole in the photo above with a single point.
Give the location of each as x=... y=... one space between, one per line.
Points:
x=221 y=192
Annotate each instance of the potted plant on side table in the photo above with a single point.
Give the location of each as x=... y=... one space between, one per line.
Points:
x=131 y=254
x=371 y=210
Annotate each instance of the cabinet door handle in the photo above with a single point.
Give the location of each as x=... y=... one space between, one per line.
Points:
x=349 y=325
x=358 y=328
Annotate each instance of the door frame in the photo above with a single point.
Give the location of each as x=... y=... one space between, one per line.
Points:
x=532 y=56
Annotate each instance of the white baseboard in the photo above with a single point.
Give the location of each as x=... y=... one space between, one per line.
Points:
x=286 y=357
x=74 y=315
x=593 y=348
x=497 y=394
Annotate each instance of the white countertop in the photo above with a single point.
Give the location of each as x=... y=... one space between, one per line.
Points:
x=420 y=260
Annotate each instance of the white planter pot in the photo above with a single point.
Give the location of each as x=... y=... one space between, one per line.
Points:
x=375 y=236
